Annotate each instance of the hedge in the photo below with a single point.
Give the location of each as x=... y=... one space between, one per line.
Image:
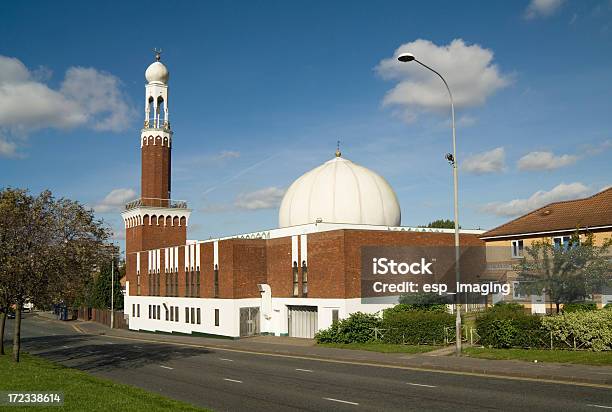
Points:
x=507 y=326
x=582 y=329
x=357 y=328
x=579 y=306
x=416 y=327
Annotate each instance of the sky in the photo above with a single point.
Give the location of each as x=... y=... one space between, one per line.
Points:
x=261 y=91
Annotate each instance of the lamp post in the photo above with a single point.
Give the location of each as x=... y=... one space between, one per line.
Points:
x=112 y=315
x=452 y=159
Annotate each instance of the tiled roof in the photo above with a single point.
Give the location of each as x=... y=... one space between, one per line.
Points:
x=572 y=214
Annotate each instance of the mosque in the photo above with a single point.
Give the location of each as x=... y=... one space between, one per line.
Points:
x=293 y=280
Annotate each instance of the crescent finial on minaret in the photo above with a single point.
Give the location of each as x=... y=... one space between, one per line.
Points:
x=338 y=153
x=157 y=54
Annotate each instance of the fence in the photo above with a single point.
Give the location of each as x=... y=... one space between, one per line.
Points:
x=103 y=316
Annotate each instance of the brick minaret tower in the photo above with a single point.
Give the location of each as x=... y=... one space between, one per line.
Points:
x=154 y=221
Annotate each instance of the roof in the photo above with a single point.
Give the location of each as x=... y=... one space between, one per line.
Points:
x=590 y=212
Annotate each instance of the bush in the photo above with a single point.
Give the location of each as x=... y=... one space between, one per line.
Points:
x=579 y=306
x=582 y=329
x=406 y=307
x=416 y=327
x=357 y=328
x=507 y=325
x=424 y=301
x=608 y=306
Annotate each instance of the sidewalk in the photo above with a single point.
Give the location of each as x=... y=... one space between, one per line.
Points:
x=282 y=346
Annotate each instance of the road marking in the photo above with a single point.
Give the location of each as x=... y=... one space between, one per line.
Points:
x=232 y=380
x=165 y=367
x=341 y=401
x=78 y=329
x=375 y=365
x=303 y=370
x=600 y=406
x=420 y=384
x=67 y=347
x=138 y=347
x=225 y=359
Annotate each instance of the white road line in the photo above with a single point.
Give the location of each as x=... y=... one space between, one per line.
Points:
x=420 y=384
x=303 y=370
x=599 y=406
x=232 y=380
x=165 y=367
x=67 y=347
x=225 y=359
x=341 y=401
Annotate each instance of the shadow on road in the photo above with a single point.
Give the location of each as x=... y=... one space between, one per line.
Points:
x=86 y=353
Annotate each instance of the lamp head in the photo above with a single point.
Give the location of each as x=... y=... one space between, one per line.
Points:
x=406 y=57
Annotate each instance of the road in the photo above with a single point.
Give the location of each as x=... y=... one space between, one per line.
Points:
x=236 y=381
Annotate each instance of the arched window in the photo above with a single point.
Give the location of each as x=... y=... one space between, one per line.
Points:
x=216 y=282
x=296 y=287
x=304 y=279
x=161 y=112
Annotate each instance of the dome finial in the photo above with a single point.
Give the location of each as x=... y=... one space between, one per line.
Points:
x=338 y=152
x=157 y=54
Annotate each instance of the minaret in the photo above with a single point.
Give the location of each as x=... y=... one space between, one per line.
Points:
x=154 y=220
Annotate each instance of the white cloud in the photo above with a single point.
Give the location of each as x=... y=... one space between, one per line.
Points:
x=115 y=200
x=492 y=161
x=227 y=154
x=7 y=149
x=542 y=8
x=538 y=199
x=86 y=98
x=545 y=161
x=267 y=198
x=468 y=69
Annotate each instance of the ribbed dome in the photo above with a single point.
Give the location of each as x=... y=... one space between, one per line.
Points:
x=157 y=72
x=340 y=191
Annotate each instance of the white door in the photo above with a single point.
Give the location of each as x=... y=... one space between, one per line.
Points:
x=303 y=321
x=538 y=305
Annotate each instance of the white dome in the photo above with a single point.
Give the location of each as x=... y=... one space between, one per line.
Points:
x=340 y=191
x=157 y=72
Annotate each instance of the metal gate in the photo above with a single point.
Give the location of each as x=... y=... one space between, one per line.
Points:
x=249 y=321
x=303 y=321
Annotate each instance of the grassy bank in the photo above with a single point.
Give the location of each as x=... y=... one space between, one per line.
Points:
x=82 y=392
x=530 y=355
x=381 y=347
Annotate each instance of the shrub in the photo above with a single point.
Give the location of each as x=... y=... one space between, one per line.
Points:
x=406 y=307
x=582 y=329
x=579 y=306
x=357 y=328
x=424 y=301
x=608 y=306
x=416 y=327
x=507 y=325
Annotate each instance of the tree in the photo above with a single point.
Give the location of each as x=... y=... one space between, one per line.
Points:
x=50 y=248
x=567 y=273
x=442 y=224
x=100 y=293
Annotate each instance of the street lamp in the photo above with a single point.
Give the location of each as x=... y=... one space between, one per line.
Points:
x=452 y=159
x=112 y=314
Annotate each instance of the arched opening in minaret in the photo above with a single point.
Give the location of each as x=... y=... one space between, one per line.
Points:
x=161 y=112
x=151 y=112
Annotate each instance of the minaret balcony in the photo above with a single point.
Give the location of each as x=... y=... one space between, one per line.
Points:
x=155 y=202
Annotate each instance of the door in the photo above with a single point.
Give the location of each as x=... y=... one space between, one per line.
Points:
x=249 y=321
x=303 y=321
x=538 y=305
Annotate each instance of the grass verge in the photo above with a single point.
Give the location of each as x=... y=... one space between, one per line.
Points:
x=82 y=391
x=542 y=355
x=381 y=347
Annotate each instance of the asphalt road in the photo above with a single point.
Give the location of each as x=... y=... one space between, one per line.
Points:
x=234 y=381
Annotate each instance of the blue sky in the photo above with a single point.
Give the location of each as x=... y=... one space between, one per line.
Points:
x=261 y=91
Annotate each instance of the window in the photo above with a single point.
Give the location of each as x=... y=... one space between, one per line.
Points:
x=516 y=292
x=149 y=311
x=216 y=317
x=197 y=282
x=158 y=312
x=133 y=310
x=167 y=314
x=150 y=284
x=296 y=286
x=193 y=315
x=517 y=248
x=172 y=313
x=138 y=284
x=216 y=283
x=335 y=315
x=199 y=316
x=138 y=310
x=187 y=291
x=186 y=315
x=304 y=279
x=192 y=281
x=176 y=313
x=562 y=241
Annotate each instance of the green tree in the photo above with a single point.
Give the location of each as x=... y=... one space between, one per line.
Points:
x=50 y=247
x=442 y=224
x=100 y=296
x=566 y=273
